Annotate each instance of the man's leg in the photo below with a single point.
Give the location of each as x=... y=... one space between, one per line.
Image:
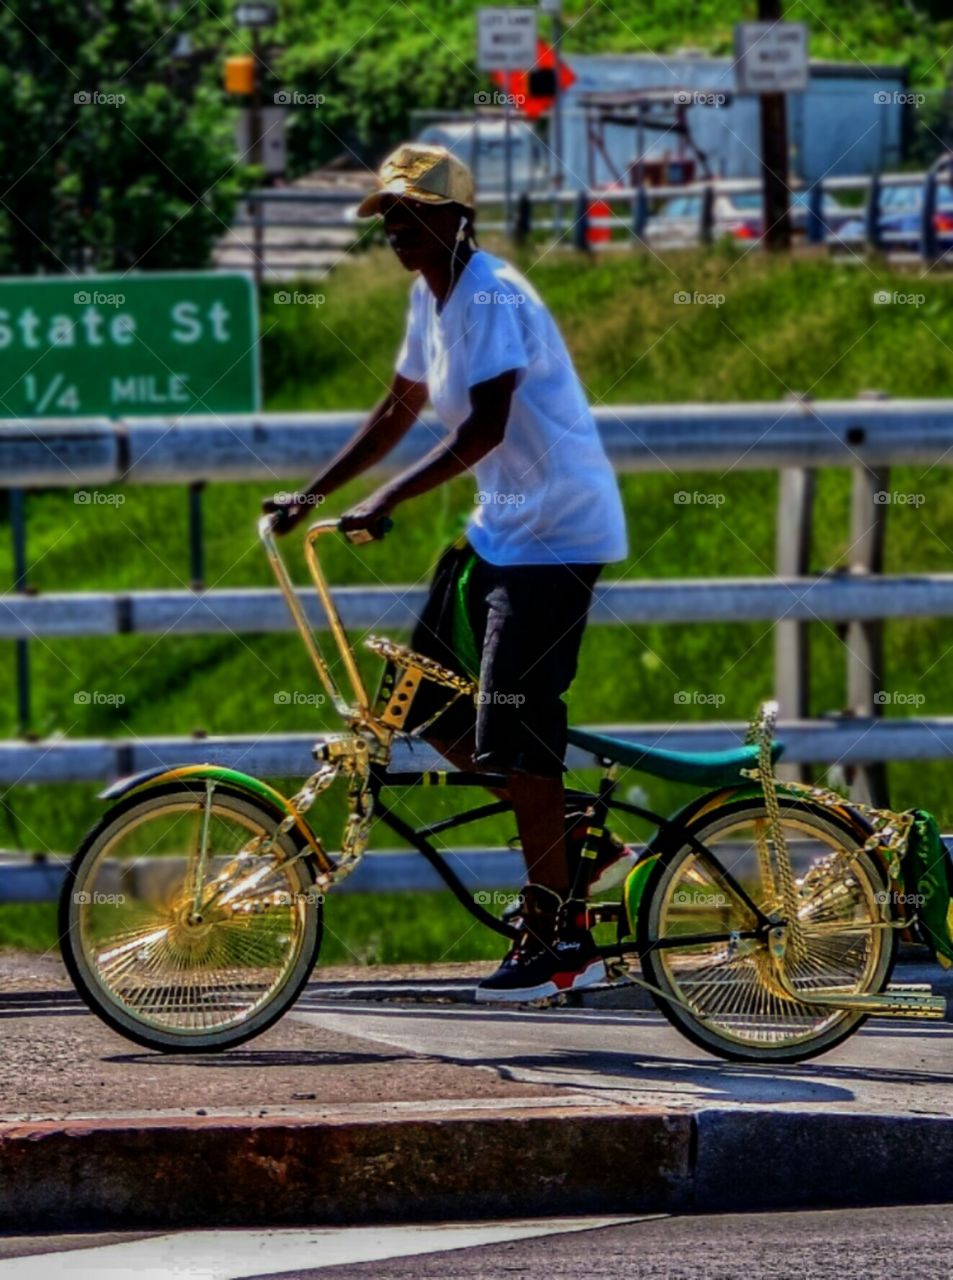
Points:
x=539 y=805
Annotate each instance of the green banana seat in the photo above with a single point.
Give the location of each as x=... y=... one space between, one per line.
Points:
x=698 y=768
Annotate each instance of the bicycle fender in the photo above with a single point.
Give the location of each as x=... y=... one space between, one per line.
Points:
x=254 y=787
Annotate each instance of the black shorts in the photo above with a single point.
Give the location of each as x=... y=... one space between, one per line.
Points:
x=527 y=623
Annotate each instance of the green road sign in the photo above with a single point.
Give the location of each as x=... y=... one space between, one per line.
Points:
x=128 y=346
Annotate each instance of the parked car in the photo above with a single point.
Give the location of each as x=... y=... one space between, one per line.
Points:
x=736 y=213
x=900 y=212
x=482 y=146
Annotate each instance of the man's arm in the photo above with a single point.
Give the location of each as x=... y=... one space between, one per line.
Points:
x=482 y=431
x=385 y=426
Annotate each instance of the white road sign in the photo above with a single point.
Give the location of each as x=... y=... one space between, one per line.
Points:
x=771 y=57
x=506 y=39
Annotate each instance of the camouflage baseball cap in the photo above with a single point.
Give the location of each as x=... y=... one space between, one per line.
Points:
x=421 y=171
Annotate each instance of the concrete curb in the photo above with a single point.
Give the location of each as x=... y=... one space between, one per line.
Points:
x=536 y=1160
x=225 y=1171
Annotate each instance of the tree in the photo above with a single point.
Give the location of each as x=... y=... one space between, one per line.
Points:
x=116 y=152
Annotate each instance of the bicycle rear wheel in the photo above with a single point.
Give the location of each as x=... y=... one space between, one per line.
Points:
x=724 y=995
x=178 y=956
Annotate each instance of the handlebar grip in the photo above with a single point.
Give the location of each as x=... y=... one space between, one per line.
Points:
x=360 y=536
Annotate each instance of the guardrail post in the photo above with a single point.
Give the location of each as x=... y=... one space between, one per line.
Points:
x=706 y=229
x=928 y=236
x=257 y=208
x=815 y=213
x=791 y=639
x=524 y=218
x=864 y=640
x=21 y=650
x=580 y=230
x=640 y=211
x=872 y=212
x=196 y=536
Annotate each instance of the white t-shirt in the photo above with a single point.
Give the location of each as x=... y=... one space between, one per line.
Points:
x=547 y=494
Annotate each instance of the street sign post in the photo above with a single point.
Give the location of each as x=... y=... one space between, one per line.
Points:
x=771 y=57
x=506 y=41
x=128 y=346
x=771 y=60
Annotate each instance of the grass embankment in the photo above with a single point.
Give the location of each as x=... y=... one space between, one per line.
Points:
x=805 y=325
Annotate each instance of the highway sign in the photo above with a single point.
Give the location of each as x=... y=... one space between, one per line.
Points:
x=128 y=346
x=506 y=39
x=771 y=57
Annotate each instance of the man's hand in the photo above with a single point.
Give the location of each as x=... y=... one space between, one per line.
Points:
x=290 y=508
x=369 y=516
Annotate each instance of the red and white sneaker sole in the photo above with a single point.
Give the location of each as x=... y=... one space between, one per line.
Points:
x=594 y=973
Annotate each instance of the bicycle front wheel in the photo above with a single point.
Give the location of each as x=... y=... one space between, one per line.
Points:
x=175 y=941
x=724 y=994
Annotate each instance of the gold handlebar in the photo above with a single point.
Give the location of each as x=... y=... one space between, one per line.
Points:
x=266 y=532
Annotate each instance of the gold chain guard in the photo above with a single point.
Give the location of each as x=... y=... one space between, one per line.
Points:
x=407 y=659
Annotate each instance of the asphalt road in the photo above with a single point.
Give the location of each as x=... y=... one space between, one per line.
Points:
x=915 y=1243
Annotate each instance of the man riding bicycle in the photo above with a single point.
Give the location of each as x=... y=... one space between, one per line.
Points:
x=483 y=348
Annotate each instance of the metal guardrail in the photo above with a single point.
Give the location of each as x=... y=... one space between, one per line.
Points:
x=580 y=215
x=795 y=436
x=799 y=432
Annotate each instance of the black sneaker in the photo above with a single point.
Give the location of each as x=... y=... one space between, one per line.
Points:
x=533 y=971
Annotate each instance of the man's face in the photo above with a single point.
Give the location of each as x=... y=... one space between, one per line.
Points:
x=419 y=233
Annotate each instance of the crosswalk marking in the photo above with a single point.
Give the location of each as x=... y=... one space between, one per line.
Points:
x=231 y=1254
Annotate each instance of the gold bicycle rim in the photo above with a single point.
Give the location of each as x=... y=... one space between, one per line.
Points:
x=732 y=988
x=143 y=947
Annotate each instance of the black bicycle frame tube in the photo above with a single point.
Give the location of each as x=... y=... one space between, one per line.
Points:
x=444 y=870
x=602 y=801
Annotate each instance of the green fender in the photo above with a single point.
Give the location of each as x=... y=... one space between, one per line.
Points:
x=254 y=787
x=634 y=887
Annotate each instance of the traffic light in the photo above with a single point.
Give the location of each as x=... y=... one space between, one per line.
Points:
x=240 y=75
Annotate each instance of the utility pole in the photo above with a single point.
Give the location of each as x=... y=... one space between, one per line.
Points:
x=556 y=117
x=774 y=153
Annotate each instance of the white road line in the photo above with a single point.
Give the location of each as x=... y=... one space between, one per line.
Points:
x=230 y=1254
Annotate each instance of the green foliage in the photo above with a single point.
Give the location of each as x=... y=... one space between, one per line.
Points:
x=113 y=154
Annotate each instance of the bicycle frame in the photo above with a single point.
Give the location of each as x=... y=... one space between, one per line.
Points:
x=369 y=752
